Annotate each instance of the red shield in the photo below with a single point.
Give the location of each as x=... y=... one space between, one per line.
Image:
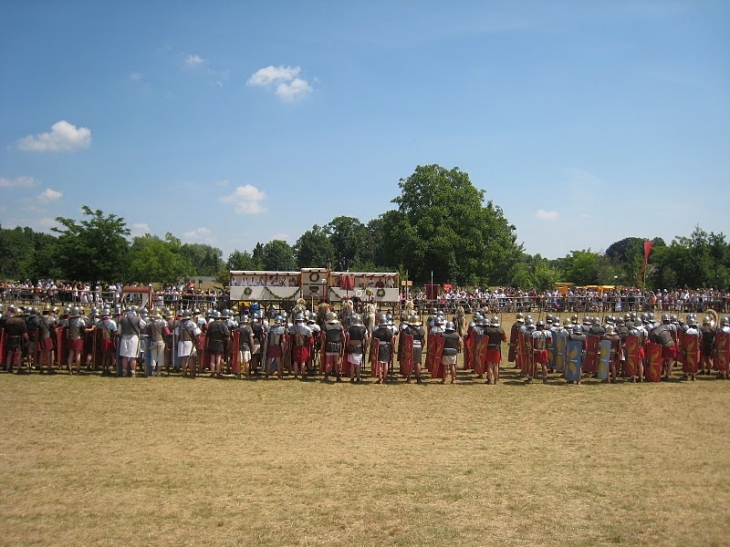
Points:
x=722 y=351
x=235 y=360
x=590 y=364
x=433 y=357
x=689 y=352
x=469 y=345
x=654 y=362
x=374 y=349
x=203 y=355
x=406 y=365
x=61 y=347
x=481 y=354
x=633 y=344
x=2 y=347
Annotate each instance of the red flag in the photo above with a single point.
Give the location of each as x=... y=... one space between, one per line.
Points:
x=647 y=250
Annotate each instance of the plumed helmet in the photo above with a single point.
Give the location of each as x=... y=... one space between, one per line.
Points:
x=449 y=326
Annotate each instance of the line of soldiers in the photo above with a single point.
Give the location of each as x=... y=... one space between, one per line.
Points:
x=638 y=348
x=190 y=342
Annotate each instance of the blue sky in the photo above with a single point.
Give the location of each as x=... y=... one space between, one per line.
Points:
x=232 y=123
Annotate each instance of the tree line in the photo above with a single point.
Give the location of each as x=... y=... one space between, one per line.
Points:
x=441 y=227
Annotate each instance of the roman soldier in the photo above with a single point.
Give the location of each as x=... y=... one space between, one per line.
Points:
x=333 y=339
x=215 y=339
x=616 y=351
x=384 y=335
x=357 y=339
x=495 y=336
x=156 y=332
x=108 y=329
x=541 y=339
x=303 y=341
x=514 y=333
x=453 y=344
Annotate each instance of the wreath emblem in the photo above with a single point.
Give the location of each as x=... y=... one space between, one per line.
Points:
x=314 y=277
x=381 y=293
x=247 y=291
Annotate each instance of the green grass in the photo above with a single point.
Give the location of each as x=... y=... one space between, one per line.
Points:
x=87 y=460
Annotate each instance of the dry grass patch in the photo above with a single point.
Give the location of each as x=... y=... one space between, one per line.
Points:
x=167 y=461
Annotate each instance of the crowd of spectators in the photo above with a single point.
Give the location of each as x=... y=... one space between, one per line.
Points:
x=581 y=299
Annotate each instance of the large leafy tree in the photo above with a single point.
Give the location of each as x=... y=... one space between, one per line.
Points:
x=152 y=259
x=206 y=260
x=350 y=239
x=94 y=249
x=278 y=255
x=314 y=248
x=442 y=225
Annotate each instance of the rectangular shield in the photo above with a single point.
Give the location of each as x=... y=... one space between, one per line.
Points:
x=654 y=362
x=345 y=363
x=552 y=350
x=235 y=357
x=374 y=349
x=470 y=359
x=604 y=359
x=721 y=361
x=481 y=353
x=690 y=351
x=524 y=351
x=406 y=365
x=631 y=365
x=590 y=364
x=2 y=346
x=435 y=349
x=61 y=347
x=574 y=360
x=561 y=351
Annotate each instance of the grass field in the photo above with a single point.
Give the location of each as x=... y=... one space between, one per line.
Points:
x=90 y=460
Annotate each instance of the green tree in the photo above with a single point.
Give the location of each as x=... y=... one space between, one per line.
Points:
x=314 y=249
x=94 y=249
x=351 y=242
x=206 y=260
x=443 y=226
x=152 y=259
x=278 y=255
x=242 y=260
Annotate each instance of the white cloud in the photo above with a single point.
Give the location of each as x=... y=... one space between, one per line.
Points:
x=289 y=87
x=246 y=200
x=136 y=76
x=18 y=182
x=193 y=60
x=63 y=136
x=296 y=89
x=280 y=237
x=202 y=234
x=546 y=215
x=49 y=195
x=140 y=229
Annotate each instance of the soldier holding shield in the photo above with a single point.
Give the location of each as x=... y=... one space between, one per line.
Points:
x=453 y=344
x=495 y=335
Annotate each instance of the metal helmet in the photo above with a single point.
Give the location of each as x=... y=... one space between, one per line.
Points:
x=495 y=321
x=519 y=317
x=541 y=324
x=707 y=320
x=382 y=320
x=299 y=317
x=529 y=322
x=75 y=311
x=609 y=329
x=549 y=318
x=725 y=321
x=449 y=326
x=331 y=316
x=567 y=322
x=665 y=318
x=216 y=314
x=245 y=319
x=186 y=314
x=577 y=329
x=574 y=318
